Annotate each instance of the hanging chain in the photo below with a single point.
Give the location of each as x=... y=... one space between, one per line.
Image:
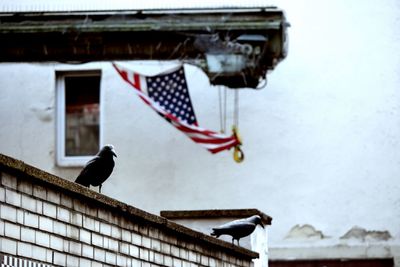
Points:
x=225 y=97
x=236 y=109
x=222 y=107
x=238 y=154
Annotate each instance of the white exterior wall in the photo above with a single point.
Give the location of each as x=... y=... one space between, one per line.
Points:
x=322 y=141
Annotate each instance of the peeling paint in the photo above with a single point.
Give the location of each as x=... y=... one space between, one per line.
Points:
x=365 y=235
x=305 y=231
x=44 y=114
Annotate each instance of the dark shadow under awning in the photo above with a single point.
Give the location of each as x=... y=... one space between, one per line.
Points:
x=235 y=47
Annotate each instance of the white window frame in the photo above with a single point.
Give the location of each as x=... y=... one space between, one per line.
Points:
x=62 y=159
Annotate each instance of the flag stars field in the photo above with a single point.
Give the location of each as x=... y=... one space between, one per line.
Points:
x=168 y=95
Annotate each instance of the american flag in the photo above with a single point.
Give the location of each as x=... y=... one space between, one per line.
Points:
x=167 y=93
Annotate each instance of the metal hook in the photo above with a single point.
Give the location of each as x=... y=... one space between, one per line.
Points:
x=238 y=154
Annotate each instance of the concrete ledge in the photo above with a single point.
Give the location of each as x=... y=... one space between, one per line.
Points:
x=17 y=167
x=227 y=213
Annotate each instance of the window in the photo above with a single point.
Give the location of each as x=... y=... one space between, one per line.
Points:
x=78 y=118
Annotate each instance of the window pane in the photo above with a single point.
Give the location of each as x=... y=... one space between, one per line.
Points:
x=82 y=114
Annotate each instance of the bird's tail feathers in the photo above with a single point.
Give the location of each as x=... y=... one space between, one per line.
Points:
x=82 y=181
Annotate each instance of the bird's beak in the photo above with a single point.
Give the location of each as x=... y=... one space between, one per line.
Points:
x=262 y=225
x=113 y=152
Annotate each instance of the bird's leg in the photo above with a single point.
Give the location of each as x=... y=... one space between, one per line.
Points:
x=233 y=241
x=238 y=242
x=100 y=188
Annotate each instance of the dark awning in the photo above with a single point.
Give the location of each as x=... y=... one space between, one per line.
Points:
x=235 y=47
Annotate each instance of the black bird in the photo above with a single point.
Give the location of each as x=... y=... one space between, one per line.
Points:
x=98 y=169
x=238 y=228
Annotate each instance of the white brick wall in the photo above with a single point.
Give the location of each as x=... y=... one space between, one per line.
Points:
x=62 y=228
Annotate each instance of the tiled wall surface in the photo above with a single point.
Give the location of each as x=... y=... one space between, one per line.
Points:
x=46 y=224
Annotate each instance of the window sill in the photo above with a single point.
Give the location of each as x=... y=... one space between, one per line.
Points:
x=73 y=161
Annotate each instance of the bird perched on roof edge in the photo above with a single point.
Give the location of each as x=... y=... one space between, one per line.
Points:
x=238 y=228
x=98 y=169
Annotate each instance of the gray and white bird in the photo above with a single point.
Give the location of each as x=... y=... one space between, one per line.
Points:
x=238 y=228
x=98 y=169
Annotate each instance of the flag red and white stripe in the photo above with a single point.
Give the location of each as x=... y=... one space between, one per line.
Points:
x=168 y=95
